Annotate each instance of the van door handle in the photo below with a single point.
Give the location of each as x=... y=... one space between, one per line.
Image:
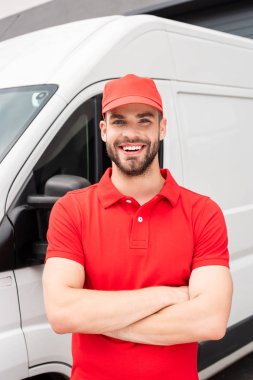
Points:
x=5 y=281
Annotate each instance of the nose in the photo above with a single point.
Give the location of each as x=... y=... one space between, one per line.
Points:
x=131 y=131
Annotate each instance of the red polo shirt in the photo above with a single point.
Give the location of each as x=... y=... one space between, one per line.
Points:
x=124 y=246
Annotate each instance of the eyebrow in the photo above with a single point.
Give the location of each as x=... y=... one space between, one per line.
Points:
x=117 y=116
x=139 y=115
x=145 y=114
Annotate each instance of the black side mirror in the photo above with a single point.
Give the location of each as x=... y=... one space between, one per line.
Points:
x=55 y=188
x=41 y=205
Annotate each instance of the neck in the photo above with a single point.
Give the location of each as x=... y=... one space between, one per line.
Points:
x=142 y=187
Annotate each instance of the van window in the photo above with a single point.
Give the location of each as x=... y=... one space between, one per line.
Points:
x=74 y=149
x=18 y=108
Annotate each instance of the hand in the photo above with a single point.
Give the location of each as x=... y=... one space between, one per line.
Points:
x=181 y=294
x=176 y=294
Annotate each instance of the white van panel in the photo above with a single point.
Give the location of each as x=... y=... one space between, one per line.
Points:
x=22 y=63
x=13 y=355
x=242 y=269
x=201 y=60
x=84 y=52
x=122 y=46
x=43 y=345
x=140 y=53
x=216 y=137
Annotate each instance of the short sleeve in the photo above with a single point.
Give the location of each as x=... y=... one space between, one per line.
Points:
x=63 y=235
x=211 y=240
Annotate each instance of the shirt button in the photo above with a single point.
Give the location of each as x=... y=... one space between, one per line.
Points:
x=140 y=219
x=128 y=201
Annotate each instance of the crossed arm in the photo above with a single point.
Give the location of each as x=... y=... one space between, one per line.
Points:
x=202 y=317
x=159 y=315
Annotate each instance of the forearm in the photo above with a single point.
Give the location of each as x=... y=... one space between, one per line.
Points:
x=186 y=322
x=95 y=312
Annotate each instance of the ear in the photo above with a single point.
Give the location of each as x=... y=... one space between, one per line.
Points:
x=163 y=127
x=102 y=126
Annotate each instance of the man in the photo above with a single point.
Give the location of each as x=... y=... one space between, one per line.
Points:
x=137 y=266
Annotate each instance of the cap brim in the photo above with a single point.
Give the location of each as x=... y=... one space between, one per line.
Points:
x=131 y=100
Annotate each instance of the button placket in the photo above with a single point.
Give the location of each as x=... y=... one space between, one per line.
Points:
x=140 y=227
x=139 y=232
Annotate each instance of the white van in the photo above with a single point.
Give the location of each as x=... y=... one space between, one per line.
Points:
x=50 y=106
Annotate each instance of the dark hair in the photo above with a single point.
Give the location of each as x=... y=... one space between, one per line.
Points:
x=160 y=115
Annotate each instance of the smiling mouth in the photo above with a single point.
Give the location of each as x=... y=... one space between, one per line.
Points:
x=132 y=148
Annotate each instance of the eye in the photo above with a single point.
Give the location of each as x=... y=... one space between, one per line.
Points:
x=118 y=122
x=145 y=121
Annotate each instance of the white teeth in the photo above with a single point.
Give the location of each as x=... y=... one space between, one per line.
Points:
x=136 y=147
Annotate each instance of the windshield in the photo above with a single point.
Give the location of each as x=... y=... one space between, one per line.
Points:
x=18 y=108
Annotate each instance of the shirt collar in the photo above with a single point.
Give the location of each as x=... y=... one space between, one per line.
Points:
x=170 y=189
x=108 y=194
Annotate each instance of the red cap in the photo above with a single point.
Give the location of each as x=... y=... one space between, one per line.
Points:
x=131 y=89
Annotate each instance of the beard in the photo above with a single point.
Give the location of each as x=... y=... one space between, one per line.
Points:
x=131 y=165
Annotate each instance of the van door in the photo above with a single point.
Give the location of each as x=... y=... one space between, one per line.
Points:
x=70 y=147
x=215 y=129
x=13 y=354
